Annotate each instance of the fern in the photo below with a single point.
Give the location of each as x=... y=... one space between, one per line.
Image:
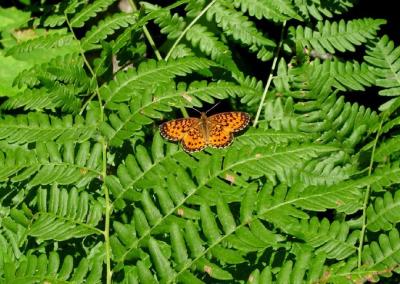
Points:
x=308 y=268
x=37 y=127
x=384 y=57
x=383 y=255
x=41 y=268
x=67 y=69
x=319 y=9
x=236 y=25
x=278 y=11
x=62 y=216
x=62 y=97
x=347 y=75
x=332 y=240
x=127 y=84
x=45 y=43
x=207 y=43
x=106 y=28
x=46 y=166
x=329 y=37
x=88 y=12
x=382 y=214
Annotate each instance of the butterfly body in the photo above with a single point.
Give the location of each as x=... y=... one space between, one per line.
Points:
x=197 y=133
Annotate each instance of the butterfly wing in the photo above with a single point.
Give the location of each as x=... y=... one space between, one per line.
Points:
x=218 y=137
x=233 y=121
x=186 y=130
x=174 y=130
x=223 y=125
x=194 y=140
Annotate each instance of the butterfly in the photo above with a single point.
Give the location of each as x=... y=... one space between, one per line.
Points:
x=197 y=133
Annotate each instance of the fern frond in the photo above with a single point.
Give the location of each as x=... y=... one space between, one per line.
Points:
x=199 y=36
x=388 y=150
x=180 y=51
x=171 y=25
x=59 y=11
x=317 y=109
x=30 y=99
x=43 y=268
x=65 y=69
x=237 y=25
x=384 y=213
x=11 y=238
x=385 y=58
x=260 y=137
x=391 y=123
x=64 y=215
x=144 y=170
x=346 y=75
x=106 y=28
x=319 y=9
x=308 y=268
x=334 y=240
x=252 y=83
x=383 y=255
x=325 y=170
x=209 y=188
x=39 y=127
x=50 y=163
x=193 y=251
x=344 y=197
x=44 y=43
x=148 y=75
x=266 y=160
x=331 y=36
x=63 y=97
x=54 y=20
x=278 y=11
x=386 y=176
x=89 y=11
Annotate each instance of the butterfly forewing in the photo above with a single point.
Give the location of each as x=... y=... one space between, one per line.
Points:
x=230 y=121
x=223 y=125
x=174 y=130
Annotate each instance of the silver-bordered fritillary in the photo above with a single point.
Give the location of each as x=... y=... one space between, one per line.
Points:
x=197 y=133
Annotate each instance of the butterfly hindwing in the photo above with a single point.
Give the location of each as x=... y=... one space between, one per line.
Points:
x=218 y=137
x=194 y=139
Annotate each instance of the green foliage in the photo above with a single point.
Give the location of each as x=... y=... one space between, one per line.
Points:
x=384 y=57
x=90 y=192
x=32 y=268
x=340 y=36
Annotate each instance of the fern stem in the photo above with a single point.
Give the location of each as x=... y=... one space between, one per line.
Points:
x=188 y=28
x=264 y=95
x=183 y=110
x=366 y=199
x=108 y=205
x=94 y=78
x=107 y=215
x=147 y=33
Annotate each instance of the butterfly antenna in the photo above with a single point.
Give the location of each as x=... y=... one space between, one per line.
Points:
x=213 y=107
x=196 y=110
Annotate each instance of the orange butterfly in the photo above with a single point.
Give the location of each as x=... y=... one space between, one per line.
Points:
x=197 y=133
